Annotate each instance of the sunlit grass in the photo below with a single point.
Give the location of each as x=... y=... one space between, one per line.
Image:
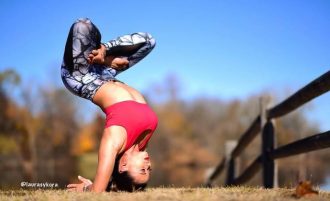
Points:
x=162 y=194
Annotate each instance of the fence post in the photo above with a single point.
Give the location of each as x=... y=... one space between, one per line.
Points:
x=267 y=147
x=231 y=172
x=229 y=147
x=267 y=141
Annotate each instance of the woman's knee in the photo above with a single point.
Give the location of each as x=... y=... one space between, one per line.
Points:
x=82 y=26
x=148 y=37
x=85 y=27
x=83 y=20
x=85 y=34
x=151 y=40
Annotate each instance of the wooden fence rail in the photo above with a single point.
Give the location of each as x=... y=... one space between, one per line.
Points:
x=263 y=122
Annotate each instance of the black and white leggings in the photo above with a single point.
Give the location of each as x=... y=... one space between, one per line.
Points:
x=84 y=79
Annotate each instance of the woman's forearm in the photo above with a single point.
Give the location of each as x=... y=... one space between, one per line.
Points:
x=106 y=160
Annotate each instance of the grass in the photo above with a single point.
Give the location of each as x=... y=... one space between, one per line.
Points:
x=164 y=194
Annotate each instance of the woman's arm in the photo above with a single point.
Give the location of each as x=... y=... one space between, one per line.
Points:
x=133 y=47
x=111 y=143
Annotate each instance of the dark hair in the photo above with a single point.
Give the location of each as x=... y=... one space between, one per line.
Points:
x=123 y=181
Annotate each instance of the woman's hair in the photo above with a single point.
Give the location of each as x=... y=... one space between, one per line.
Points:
x=123 y=181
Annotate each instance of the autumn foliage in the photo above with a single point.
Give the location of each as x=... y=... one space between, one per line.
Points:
x=43 y=136
x=304 y=188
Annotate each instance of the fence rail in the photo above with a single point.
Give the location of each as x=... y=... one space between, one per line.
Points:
x=263 y=122
x=316 y=88
x=315 y=142
x=247 y=137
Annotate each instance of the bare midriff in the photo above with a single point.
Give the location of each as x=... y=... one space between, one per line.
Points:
x=115 y=92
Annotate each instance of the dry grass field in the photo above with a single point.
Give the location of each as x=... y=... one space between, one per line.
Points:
x=164 y=194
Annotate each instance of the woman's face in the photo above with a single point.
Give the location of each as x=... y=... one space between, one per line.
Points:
x=138 y=166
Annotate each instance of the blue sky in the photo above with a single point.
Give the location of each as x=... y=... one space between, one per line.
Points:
x=226 y=49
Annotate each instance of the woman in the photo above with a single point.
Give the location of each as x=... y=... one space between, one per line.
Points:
x=88 y=70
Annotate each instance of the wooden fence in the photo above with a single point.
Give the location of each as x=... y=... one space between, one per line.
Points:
x=264 y=124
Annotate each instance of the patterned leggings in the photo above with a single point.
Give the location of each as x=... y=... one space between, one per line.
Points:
x=84 y=79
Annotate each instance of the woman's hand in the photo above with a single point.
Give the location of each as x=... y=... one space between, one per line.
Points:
x=85 y=185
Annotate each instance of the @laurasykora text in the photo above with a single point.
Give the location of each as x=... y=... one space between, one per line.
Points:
x=25 y=184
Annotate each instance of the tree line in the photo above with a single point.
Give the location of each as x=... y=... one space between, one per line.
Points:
x=42 y=137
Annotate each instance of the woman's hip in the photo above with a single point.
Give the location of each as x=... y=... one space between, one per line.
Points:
x=86 y=84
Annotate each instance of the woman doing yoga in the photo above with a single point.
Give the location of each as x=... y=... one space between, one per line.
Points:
x=89 y=70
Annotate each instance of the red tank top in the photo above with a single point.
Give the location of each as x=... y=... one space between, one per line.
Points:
x=136 y=118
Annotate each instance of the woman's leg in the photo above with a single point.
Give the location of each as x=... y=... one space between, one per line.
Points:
x=80 y=77
x=83 y=37
x=134 y=47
